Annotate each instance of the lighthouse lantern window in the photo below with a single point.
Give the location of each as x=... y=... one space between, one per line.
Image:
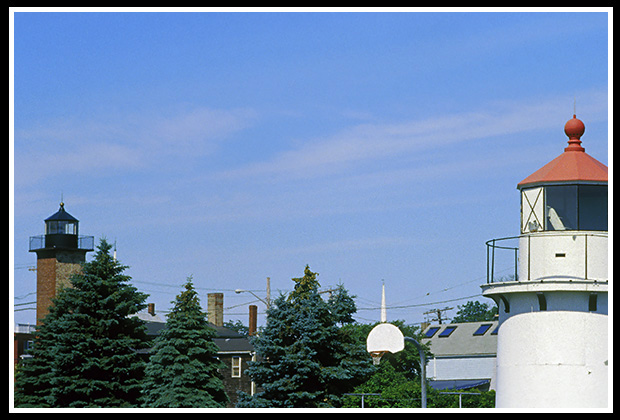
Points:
x=561 y=207
x=593 y=207
x=64 y=227
x=576 y=207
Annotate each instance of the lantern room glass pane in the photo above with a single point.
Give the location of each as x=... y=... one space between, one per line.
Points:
x=51 y=227
x=593 y=207
x=561 y=207
x=61 y=226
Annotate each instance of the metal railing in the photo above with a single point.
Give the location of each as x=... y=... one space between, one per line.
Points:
x=86 y=243
x=510 y=252
x=491 y=257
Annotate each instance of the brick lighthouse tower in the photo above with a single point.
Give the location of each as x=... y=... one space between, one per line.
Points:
x=60 y=254
x=552 y=346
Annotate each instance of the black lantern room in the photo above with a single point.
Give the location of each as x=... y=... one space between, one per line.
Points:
x=61 y=230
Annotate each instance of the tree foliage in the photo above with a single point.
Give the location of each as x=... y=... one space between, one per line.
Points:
x=397 y=379
x=397 y=391
x=474 y=311
x=183 y=369
x=86 y=349
x=308 y=358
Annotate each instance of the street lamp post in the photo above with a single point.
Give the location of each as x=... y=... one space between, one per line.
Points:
x=422 y=368
x=253 y=294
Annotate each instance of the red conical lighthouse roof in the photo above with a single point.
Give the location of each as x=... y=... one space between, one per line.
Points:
x=572 y=165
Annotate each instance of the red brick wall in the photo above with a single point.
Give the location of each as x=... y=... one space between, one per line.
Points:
x=54 y=273
x=46 y=285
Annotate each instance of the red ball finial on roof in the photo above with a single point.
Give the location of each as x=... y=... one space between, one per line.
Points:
x=574 y=129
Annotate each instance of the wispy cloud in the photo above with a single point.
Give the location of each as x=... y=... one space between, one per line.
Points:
x=122 y=143
x=365 y=143
x=370 y=168
x=346 y=245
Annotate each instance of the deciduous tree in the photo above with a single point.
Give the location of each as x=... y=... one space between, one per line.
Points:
x=474 y=311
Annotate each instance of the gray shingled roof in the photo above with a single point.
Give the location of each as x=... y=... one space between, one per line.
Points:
x=462 y=341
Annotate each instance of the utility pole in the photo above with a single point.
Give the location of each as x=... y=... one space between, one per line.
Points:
x=438 y=312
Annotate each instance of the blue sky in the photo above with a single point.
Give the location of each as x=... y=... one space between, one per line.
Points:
x=233 y=147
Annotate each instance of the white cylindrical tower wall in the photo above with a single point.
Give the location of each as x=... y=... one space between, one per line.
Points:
x=578 y=255
x=552 y=339
x=552 y=359
x=552 y=298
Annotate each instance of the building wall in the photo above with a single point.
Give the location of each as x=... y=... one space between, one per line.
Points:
x=552 y=359
x=53 y=273
x=234 y=384
x=556 y=300
x=575 y=254
x=46 y=285
x=459 y=368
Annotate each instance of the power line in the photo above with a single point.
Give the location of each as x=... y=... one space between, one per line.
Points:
x=438 y=312
x=22 y=304
x=179 y=286
x=476 y=280
x=421 y=304
x=24 y=296
x=24 y=309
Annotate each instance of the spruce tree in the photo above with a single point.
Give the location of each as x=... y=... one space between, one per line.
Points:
x=307 y=358
x=86 y=349
x=33 y=375
x=183 y=368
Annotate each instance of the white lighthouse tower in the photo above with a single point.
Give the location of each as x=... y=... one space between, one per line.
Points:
x=552 y=339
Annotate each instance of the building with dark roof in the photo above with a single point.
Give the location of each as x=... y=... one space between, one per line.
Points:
x=235 y=351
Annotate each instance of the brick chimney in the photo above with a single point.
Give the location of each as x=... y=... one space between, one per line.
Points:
x=151 y=309
x=215 y=309
x=253 y=316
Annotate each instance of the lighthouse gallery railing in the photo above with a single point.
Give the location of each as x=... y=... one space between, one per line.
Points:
x=83 y=242
x=509 y=252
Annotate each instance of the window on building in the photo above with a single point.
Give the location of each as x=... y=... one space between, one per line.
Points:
x=592 y=302
x=28 y=346
x=51 y=227
x=572 y=207
x=542 y=301
x=431 y=332
x=561 y=207
x=447 y=331
x=236 y=367
x=483 y=329
x=592 y=207
x=62 y=227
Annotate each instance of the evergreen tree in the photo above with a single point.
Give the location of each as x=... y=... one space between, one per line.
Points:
x=33 y=375
x=183 y=369
x=86 y=349
x=308 y=359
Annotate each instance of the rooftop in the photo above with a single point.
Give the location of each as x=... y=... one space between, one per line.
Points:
x=61 y=214
x=572 y=165
x=462 y=339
